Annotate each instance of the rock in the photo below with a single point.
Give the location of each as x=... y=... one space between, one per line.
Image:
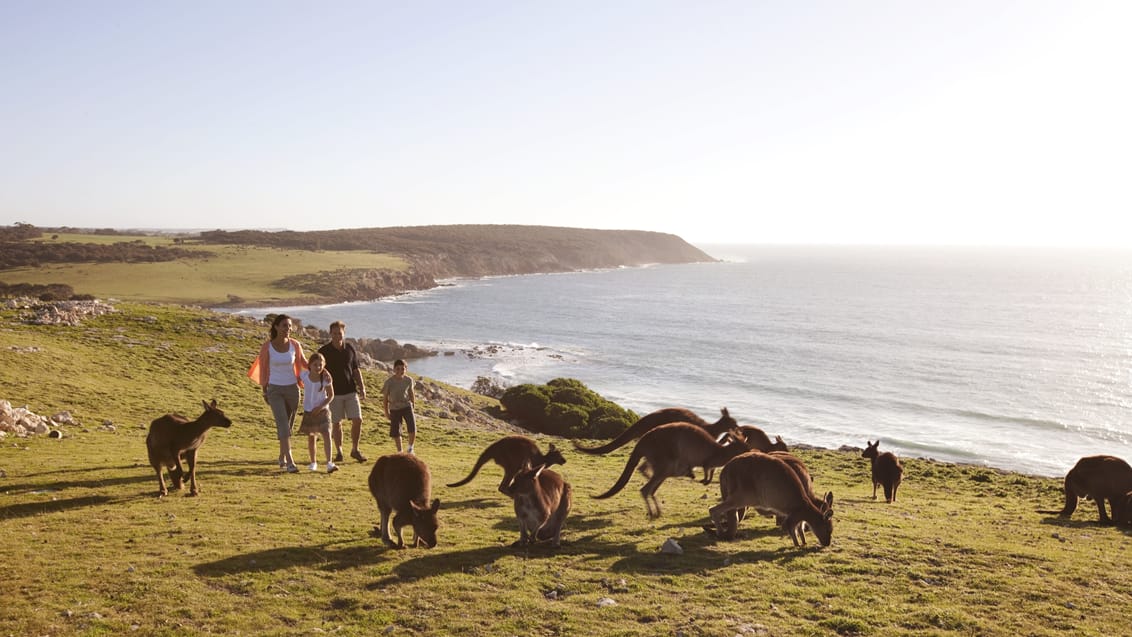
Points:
x=671 y=547
x=606 y=601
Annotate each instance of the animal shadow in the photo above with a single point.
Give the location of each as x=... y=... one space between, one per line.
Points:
x=321 y=556
x=29 y=509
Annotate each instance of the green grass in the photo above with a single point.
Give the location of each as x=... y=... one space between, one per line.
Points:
x=250 y=273
x=89 y=550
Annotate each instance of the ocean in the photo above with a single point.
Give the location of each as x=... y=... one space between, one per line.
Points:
x=1012 y=358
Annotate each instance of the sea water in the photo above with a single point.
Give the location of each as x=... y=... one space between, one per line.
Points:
x=1019 y=359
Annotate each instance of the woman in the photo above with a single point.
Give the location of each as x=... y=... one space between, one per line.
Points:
x=277 y=370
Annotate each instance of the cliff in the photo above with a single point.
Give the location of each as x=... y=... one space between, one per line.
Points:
x=438 y=252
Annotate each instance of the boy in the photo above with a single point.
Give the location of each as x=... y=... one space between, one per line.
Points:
x=397 y=399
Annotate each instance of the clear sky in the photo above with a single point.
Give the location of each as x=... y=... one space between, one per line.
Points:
x=922 y=121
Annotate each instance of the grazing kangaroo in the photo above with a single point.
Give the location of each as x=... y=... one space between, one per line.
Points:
x=768 y=483
x=402 y=486
x=542 y=502
x=513 y=453
x=799 y=468
x=1100 y=478
x=663 y=417
x=672 y=450
x=887 y=471
x=172 y=437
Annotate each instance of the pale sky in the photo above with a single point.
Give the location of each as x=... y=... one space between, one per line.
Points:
x=950 y=121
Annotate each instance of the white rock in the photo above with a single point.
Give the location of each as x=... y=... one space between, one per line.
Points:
x=606 y=601
x=671 y=547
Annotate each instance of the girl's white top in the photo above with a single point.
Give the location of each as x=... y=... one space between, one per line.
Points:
x=314 y=391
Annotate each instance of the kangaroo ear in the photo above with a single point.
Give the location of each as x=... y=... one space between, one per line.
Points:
x=725 y=413
x=206 y=406
x=435 y=505
x=550 y=449
x=778 y=439
x=829 y=499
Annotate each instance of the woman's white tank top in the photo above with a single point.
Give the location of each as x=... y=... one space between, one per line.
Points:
x=282 y=369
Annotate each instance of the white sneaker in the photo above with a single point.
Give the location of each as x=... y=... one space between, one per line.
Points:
x=331 y=467
x=313 y=466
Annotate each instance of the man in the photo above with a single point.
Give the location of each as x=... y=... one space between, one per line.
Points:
x=349 y=389
x=397 y=398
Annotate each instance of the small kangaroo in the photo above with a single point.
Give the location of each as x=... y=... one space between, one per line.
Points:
x=662 y=417
x=768 y=483
x=402 y=486
x=513 y=453
x=542 y=502
x=758 y=441
x=887 y=471
x=672 y=450
x=1100 y=478
x=172 y=437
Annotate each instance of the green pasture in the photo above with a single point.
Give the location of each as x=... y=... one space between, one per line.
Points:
x=249 y=273
x=90 y=550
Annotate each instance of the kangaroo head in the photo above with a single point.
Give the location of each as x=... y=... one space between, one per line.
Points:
x=213 y=417
x=553 y=456
x=871 y=449
x=425 y=523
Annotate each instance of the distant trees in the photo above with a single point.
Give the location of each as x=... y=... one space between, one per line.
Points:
x=565 y=407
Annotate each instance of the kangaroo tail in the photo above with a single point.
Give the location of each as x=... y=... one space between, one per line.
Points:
x=484 y=457
x=634 y=459
x=607 y=447
x=647 y=423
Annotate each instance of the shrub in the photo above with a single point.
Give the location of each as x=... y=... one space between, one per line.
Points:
x=487 y=386
x=565 y=407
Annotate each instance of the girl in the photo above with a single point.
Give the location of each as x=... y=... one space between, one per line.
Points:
x=317 y=393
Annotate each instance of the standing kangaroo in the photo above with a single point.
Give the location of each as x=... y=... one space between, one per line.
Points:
x=1100 y=478
x=887 y=471
x=402 y=486
x=768 y=483
x=513 y=453
x=672 y=450
x=542 y=502
x=172 y=437
x=662 y=417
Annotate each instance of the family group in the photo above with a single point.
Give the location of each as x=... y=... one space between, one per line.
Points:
x=332 y=391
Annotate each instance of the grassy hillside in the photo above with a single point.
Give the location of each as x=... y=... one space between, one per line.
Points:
x=253 y=274
x=89 y=550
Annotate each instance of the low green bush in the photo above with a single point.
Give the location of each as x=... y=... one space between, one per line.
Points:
x=565 y=407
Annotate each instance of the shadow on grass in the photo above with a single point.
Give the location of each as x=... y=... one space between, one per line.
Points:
x=29 y=509
x=319 y=556
x=1070 y=523
x=89 y=483
x=477 y=503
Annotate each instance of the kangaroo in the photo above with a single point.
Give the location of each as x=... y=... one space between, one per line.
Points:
x=887 y=471
x=799 y=468
x=542 y=502
x=768 y=483
x=1100 y=478
x=672 y=450
x=513 y=453
x=758 y=441
x=402 y=486
x=172 y=437
x=662 y=417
